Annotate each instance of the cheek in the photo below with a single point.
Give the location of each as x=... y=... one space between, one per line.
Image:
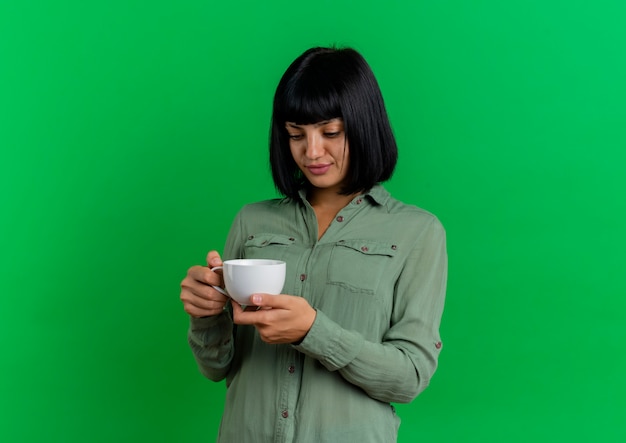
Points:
x=296 y=151
x=342 y=152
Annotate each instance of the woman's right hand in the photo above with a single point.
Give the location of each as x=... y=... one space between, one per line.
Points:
x=198 y=297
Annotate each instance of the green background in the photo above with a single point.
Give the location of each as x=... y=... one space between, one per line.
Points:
x=132 y=131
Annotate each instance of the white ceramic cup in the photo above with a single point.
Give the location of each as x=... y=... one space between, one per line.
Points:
x=244 y=277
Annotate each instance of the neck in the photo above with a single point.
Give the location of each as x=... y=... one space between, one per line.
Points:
x=328 y=198
x=326 y=203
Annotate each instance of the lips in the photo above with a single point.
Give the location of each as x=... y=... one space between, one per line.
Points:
x=318 y=169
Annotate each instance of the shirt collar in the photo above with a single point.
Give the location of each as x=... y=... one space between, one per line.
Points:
x=377 y=193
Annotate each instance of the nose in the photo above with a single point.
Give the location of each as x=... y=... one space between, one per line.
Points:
x=314 y=146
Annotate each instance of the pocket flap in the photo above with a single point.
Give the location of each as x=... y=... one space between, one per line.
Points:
x=265 y=239
x=369 y=247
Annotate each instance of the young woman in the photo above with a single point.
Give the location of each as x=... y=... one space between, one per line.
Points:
x=357 y=327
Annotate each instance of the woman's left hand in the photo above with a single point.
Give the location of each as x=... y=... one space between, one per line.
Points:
x=280 y=319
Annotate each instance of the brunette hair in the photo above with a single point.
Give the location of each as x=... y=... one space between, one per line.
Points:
x=323 y=84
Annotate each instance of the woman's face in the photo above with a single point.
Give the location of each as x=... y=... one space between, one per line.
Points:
x=321 y=152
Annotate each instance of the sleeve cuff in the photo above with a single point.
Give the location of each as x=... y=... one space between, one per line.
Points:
x=326 y=341
x=209 y=331
x=200 y=323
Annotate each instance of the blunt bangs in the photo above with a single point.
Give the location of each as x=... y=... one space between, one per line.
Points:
x=323 y=84
x=309 y=98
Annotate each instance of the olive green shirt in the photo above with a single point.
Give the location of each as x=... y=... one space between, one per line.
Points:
x=377 y=279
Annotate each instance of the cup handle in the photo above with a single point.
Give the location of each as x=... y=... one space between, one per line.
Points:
x=217 y=288
x=223 y=291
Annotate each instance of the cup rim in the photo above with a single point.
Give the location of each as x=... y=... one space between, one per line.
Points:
x=254 y=262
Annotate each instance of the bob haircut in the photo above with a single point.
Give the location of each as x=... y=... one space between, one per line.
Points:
x=323 y=84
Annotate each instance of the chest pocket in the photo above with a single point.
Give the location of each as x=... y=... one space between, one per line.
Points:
x=265 y=245
x=360 y=265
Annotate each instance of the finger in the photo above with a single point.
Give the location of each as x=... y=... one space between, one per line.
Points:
x=210 y=293
x=190 y=299
x=200 y=307
x=213 y=259
x=201 y=295
x=190 y=287
x=243 y=316
x=237 y=308
x=271 y=301
x=204 y=275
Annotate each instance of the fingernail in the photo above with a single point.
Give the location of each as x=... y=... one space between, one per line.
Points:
x=256 y=299
x=215 y=261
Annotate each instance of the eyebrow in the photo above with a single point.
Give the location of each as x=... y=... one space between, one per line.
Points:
x=317 y=125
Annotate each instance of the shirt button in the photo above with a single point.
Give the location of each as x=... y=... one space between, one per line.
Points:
x=394 y=247
x=302 y=277
x=250 y=237
x=438 y=345
x=292 y=239
x=364 y=248
x=358 y=202
x=340 y=218
x=292 y=369
x=285 y=413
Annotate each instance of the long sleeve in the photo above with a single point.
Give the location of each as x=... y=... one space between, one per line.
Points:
x=211 y=341
x=211 y=338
